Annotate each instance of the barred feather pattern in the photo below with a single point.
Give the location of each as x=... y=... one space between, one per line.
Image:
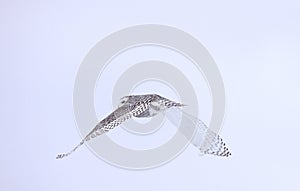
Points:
x=206 y=140
x=212 y=143
x=133 y=107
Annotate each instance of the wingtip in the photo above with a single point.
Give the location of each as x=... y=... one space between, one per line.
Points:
x=182 y=104
x=60 y=156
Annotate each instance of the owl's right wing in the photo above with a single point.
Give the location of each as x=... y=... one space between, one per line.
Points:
x=206 y=140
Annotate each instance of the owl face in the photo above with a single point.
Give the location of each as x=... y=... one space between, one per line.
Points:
x=123 y=100
x=132 y=99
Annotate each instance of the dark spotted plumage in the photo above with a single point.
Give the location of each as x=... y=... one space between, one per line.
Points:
x=131 y=106
x=148 y=106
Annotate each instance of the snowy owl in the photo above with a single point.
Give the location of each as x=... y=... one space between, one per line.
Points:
x=149 y=105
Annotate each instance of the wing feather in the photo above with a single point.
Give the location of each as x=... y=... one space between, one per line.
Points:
x=113 y=120
x=207 y=141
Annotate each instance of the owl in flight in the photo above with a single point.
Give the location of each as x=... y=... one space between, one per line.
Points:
x=149 y=105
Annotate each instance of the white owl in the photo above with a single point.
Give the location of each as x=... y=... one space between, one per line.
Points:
x=150 y=105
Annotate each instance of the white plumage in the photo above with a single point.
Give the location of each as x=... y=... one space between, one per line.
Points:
x=148 y=106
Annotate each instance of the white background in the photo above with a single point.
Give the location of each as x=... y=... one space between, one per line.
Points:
x=256 y=46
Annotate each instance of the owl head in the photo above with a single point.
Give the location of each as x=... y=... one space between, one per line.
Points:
x=123 y=100
x=132 y=99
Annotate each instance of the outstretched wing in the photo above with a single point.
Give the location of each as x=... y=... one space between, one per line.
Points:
x=113 y=120
x=207 y=141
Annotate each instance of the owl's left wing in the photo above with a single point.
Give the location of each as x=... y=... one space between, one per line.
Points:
x=113 y=120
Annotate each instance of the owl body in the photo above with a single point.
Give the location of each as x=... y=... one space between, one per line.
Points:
x=149 y=105
x=156 y=105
